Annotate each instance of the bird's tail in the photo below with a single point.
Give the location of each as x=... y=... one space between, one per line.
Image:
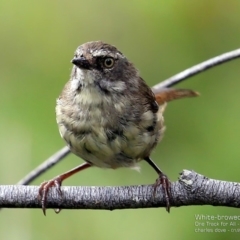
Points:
x=168 y=94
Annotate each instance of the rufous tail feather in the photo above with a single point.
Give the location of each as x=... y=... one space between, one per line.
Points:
x=168 y=94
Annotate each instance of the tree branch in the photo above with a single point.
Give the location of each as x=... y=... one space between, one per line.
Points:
x=191 y=189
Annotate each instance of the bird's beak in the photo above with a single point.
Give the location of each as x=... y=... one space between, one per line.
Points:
x=81 y=62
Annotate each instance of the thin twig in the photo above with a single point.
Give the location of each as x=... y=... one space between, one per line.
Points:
x=213 y=62
x=47 y=164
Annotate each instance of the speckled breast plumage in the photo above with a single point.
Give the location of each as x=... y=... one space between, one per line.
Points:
x=106 y=131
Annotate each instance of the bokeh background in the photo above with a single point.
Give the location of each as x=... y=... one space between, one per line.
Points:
x=162 y=38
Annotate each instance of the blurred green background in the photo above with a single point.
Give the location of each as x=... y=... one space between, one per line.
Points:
x=162 y=38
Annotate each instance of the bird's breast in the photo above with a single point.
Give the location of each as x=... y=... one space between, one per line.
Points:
x=106 y=132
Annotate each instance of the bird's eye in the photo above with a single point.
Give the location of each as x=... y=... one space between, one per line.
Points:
x=108 y=62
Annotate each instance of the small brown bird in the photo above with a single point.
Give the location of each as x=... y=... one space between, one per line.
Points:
x=109 y=116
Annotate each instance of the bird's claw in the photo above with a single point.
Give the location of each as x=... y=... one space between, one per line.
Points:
x=44 y=189
x=166 y=185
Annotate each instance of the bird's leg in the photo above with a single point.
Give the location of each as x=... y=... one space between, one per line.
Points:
x=162 y=180
x=57 y=182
